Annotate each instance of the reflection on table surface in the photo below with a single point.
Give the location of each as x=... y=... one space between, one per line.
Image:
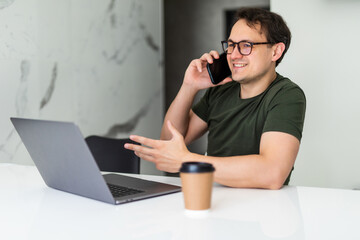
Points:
x=31 y=210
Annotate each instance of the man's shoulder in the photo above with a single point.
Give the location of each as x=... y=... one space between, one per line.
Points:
x=283 y=91
x=283 y=85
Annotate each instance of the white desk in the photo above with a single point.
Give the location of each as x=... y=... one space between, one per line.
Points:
x=31 y=210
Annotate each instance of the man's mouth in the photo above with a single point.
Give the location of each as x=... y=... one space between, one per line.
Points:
x=239 y=65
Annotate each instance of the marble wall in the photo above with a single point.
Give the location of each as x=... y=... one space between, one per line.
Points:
x=98 y=63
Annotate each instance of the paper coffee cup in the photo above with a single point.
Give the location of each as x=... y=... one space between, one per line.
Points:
x=197 y=183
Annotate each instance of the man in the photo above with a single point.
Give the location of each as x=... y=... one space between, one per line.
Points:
x=255 y=118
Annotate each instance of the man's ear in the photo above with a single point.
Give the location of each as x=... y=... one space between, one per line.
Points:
x=278 y=51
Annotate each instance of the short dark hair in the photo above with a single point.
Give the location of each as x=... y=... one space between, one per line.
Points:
x=272 y=25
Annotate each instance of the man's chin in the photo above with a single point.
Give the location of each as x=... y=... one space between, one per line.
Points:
x=240 y=80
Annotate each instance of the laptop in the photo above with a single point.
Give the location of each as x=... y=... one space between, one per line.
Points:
x=65 y=162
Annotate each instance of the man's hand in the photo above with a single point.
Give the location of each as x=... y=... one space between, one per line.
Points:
x=196 y=74
x=179 y=113
x=167 y=155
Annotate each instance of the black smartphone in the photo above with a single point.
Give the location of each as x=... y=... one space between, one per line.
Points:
x=219 y=69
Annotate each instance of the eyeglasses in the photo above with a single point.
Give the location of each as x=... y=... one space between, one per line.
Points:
x=244 y=47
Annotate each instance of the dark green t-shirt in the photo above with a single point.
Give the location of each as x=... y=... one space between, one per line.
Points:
x=235 y=125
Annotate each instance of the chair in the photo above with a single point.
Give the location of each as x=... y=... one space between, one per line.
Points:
x=111 y=156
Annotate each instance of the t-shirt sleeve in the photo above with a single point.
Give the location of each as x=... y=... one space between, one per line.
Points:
x=201 y=109
x=286 y=113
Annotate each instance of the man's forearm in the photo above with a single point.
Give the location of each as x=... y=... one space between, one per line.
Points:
x=268 y=169
x=249 y=171
x=178 y=112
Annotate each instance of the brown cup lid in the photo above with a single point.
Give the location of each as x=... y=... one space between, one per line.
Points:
x=196 y=167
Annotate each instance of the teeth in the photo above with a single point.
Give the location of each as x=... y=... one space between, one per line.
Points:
x=239 y=65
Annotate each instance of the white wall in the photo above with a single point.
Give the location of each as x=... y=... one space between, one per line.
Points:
x=94 y=62
x=324 y=60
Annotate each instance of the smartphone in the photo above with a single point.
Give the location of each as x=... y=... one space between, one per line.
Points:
x=219 y=69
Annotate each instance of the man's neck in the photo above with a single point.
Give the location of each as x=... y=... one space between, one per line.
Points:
x=254 y=88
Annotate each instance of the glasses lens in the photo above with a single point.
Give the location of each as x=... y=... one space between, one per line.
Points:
x=245 y=48
x=228 y=46
x=225 y=46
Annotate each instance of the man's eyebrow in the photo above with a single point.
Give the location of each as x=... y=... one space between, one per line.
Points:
x=244 y=40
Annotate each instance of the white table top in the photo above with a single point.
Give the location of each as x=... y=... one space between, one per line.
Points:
x=31 y=210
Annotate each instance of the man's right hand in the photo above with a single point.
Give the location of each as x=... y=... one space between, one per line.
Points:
x=179 y=113
x=196 y=75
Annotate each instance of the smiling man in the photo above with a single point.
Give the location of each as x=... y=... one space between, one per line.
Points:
x=254 y=119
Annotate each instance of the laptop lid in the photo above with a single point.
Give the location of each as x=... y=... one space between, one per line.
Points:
x=65 y=162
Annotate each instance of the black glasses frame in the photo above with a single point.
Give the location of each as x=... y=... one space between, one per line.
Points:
x=226 y=42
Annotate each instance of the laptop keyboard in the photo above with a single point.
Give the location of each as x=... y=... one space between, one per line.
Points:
x=120 y=191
